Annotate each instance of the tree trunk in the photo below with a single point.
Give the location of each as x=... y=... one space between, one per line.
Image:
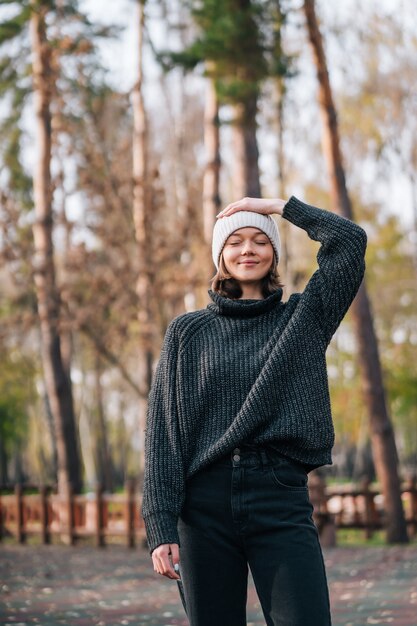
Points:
x=245 y=155
x=211 y=193
x=4 y=465
x=103 y=457
x=57 y=382
x=285 y=226
x=413 y=184
x=382 y=434
x=141 y=217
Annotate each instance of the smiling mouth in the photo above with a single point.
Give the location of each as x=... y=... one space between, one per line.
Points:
x=248 y=263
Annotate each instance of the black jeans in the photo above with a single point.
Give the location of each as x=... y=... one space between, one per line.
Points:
x=251 y=507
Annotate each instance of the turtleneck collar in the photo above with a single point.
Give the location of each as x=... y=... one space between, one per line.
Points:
x=245 y=307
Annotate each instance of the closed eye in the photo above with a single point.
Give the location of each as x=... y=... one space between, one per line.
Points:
x=259 y=243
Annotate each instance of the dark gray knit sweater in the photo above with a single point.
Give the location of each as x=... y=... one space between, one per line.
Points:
x=249 y=370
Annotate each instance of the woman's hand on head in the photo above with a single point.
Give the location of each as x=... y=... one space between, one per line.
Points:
x=258 y=205
x=164 y=558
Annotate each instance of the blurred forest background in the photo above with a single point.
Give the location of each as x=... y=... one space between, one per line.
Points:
x=121 y=137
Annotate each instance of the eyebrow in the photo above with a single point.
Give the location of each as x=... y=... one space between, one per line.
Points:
x=255 y=235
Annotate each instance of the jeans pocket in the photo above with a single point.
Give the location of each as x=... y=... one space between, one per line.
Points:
x=289 y=476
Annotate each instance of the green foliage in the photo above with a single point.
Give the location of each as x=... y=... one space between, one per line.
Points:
x=9 y=29
x=402 y=392
x=239 y=42
x=352 y=537
x=75 y=41
x=9 y=74
x=19 y=180
x=14 y=83
x=17 y=390
x=390 y=277
x=403 y=387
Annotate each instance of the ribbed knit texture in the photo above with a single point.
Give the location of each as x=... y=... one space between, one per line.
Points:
x=249 y=370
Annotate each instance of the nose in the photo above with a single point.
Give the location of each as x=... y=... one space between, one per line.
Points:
x=247 y=247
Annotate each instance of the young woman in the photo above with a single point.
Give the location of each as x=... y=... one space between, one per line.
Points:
x=239 y=413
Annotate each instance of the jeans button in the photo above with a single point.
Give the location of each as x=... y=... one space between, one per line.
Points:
x=236 y=457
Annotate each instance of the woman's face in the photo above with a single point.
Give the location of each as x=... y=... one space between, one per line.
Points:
x=248 y=254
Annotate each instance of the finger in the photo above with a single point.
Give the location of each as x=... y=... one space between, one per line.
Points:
x=232 y=208
x=164 y=565
x=157 y=564
x=160 y=564
x=222 y=213
x=245 y=204
x=175 y=558
x=169 y=571
x=175 y=553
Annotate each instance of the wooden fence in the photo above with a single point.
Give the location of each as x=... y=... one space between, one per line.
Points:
x=361 y=507
x=72 y=517
x=101 y=516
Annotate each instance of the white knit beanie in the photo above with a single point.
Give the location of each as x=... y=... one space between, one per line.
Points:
x=225 y=226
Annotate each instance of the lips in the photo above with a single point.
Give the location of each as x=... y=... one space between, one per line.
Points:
x=248 y=263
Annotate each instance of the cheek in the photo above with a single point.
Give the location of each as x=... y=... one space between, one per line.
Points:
x=230 y=254
x=268 y=255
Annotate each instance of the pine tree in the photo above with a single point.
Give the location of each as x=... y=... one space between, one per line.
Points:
x=33 y=42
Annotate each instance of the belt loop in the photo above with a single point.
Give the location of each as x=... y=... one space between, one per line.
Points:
x=264 y=457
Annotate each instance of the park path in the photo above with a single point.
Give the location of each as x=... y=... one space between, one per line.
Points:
x=84 y=586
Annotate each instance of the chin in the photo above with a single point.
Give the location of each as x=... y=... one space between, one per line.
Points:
x=247 y=279
x=251 y=274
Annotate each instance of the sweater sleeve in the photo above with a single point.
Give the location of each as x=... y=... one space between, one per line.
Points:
x=332 y=288
x=163 y=487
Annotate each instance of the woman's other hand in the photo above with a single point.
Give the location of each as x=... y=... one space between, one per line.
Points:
x=164 y=558
x=258 y=205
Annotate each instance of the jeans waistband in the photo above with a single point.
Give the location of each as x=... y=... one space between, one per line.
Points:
x=252 y=454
